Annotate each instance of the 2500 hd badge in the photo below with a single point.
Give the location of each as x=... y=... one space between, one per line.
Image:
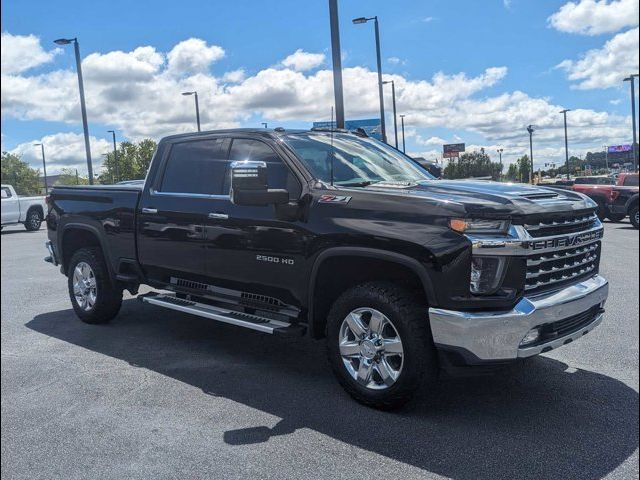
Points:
x=280 y=260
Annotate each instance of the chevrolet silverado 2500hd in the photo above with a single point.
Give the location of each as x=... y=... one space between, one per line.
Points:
x=335 y=235
x=26 y=210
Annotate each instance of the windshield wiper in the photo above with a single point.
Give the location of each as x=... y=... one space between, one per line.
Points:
x=364 y=183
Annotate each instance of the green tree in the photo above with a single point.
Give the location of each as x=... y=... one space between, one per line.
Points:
x=25 y=180
x=132 y=163
x=473 y=164
x=69 y=176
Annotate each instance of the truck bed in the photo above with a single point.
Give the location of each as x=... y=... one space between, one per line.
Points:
x=106 y=211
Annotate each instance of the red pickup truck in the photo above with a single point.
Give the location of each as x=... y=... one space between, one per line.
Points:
x=616 y=198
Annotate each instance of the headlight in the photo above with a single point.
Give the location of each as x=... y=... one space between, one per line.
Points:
x=479 y=227
x=486 y=274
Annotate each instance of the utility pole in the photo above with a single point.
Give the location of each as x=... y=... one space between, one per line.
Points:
x=631 y=79
x=115 y=156
x=44 y=167
x=530 y=129
x=395 y=117
x=566 y=140
x=336 y=56
x=404 y=150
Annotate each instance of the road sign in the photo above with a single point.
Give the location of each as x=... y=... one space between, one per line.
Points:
x=450 y=155
x=619 y=148
x=369 y=125
x=453 y=148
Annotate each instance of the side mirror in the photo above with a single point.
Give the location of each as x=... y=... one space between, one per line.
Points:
x=249 y=186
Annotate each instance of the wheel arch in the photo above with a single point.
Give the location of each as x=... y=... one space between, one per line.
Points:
x=85 y=236
x=339 y=260
x=37 y=208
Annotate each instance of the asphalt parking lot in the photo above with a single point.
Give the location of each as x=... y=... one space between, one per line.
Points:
x=156 y=394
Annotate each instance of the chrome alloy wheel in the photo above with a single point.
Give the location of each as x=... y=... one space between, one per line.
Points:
x=371 y=348
x=84 y=286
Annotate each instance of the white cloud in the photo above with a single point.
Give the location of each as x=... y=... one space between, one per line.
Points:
x=138 y=93
x=607 y=66
x=396 y=61
x=593 y=17
x=63 y=150
x=193 y=56
x=428 y=19
x=302 y=61
x=23 y=52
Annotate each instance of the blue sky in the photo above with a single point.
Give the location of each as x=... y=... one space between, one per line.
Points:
x=419 y=39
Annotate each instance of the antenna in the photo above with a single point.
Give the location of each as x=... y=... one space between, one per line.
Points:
x=332 y=152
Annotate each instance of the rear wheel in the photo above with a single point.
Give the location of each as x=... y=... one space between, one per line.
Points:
x=94 y=298
x=380 y=345
x=633 y=216
x=33 y=220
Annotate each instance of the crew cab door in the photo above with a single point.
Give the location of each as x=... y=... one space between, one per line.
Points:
x=258 y=250
x=10 y=206
x=173 y=210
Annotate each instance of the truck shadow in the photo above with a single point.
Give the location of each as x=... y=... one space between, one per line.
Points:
x=539 y=420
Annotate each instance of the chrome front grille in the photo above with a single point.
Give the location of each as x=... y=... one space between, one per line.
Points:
x=562 y=225
x=568 y=262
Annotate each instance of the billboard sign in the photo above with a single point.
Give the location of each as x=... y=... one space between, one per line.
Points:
x=619 y=148
x=450 y=155
x=453 y=148
x=369 y=125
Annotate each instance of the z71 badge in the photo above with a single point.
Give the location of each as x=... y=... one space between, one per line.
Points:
x=335 y=199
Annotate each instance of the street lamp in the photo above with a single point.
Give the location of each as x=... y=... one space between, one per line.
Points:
x=195 y=94
x=402 y=122
x=500 y=150
x=360 y=20
x=115 y=155
x=395 y=120
x=631 y=80
x=606 y=157
x=336 y=57
x=264 y=124
x=566 y=140
x=83 y=107
x=44 y=167
x=531 y=129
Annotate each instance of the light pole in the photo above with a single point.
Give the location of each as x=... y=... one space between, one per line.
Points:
x=195 y=94
x=632 y=81
x=336 y=56
x=530 y=129
x=265 y=124
x=606 y=157
x=379 y=60
x=115 y=155
x=395 y=119
x=83 y=107
x=402 y=122
x=500 y=150
x=44 y=167
x=566 y=140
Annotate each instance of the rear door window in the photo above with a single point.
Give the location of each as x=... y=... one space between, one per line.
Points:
x=197 y=167
x=631 y=181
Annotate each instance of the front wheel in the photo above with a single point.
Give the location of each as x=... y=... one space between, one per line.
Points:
x=617 y=217
x=380 y=345
x=33 y=220
x=94 y=298
x=633 y=216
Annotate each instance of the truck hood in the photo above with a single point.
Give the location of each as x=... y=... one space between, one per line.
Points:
x=492 y=199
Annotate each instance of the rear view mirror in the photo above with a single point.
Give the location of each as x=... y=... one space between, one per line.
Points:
x=249 y=185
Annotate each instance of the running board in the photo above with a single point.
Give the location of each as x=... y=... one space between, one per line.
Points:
x=246 y=320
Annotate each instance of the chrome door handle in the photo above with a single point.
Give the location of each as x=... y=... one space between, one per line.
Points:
x=218 y=216
x=149 y=210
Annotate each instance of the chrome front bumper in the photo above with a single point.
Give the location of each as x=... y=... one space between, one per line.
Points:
x=496 y=336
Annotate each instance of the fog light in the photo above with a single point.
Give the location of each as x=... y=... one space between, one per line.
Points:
x=530 y=337
x=486 y=274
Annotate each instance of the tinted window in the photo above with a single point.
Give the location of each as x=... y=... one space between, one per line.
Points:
x=631 y=181
x=278 y=174
x=196 y=167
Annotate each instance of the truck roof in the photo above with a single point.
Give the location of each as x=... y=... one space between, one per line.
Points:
x=266 y=132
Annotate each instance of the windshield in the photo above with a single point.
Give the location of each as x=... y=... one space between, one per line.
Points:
x=356 y=161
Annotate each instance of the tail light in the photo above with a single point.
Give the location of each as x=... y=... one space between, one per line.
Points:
x=613 y=195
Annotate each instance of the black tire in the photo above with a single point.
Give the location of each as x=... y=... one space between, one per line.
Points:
x=633 y=216
x=108 y=298
x=602 y=211
x=408 y=316
x=617 y=217
x=33 y=220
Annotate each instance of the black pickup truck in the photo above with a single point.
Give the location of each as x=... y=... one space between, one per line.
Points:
x=335 y=235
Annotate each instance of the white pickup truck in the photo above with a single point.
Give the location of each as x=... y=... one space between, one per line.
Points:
x=26 y=210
